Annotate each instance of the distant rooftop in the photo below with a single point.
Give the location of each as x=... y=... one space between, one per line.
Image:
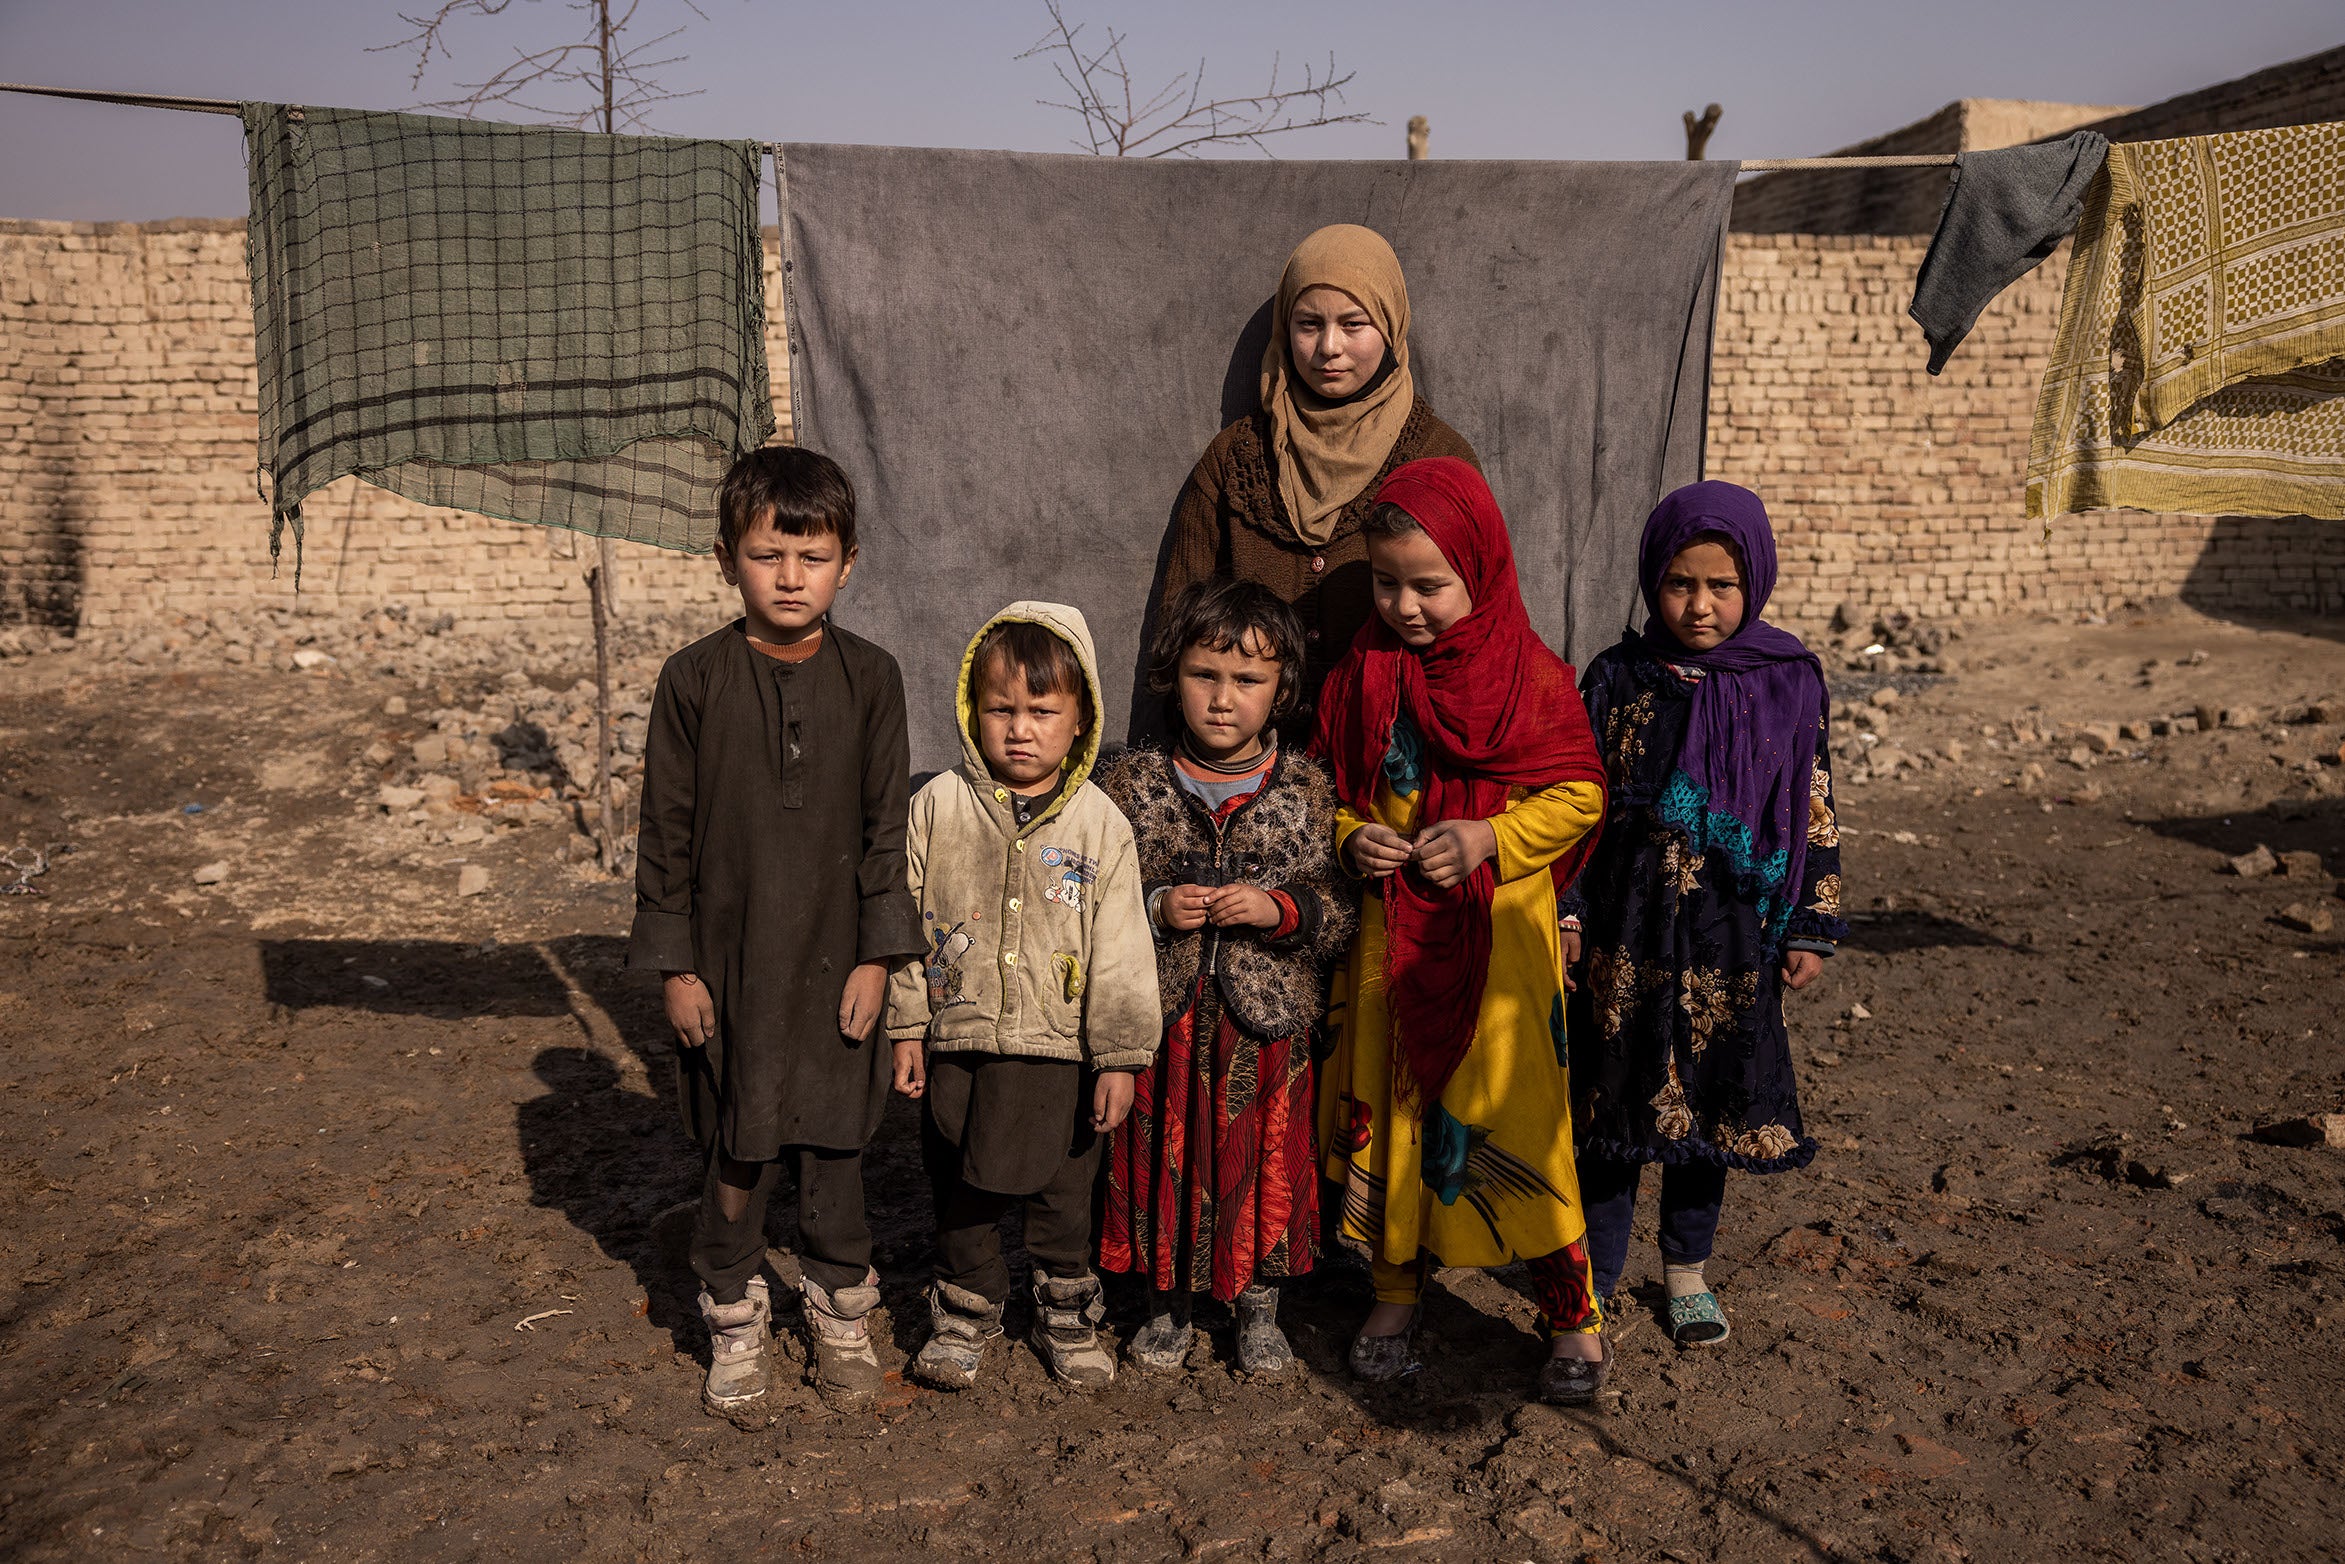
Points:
x=1906 y=201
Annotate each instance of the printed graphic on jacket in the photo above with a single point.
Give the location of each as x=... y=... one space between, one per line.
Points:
x=1075 y=873
x=946 y=947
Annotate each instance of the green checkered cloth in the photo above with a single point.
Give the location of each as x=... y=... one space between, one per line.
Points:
x=551 y=326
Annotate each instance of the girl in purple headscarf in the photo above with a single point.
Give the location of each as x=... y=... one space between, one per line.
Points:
x=1715 y=887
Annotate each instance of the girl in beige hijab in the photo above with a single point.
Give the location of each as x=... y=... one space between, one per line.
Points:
x=1279 y=497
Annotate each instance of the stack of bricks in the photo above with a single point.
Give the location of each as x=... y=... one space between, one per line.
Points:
x=127 y=419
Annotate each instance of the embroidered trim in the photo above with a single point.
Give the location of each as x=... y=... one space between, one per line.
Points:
x=1695 y=1148
x=1685 y=807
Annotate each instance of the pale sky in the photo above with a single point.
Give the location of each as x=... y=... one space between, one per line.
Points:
x=1498 y=78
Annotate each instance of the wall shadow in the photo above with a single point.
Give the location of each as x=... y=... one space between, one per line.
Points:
x=448 y=979
x=2293 y=825
x=613 y=1162
x=1890 y=932
x=2277 y=573
x=1150 y=722
x=1241 y=378
x=612 y=1159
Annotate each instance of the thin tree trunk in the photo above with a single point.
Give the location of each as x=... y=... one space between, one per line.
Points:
x=598 y=587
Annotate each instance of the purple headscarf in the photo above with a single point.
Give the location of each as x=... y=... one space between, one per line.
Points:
x=1742 y=779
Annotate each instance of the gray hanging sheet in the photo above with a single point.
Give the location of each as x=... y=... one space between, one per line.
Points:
x=1017 y=358
x=551 y=326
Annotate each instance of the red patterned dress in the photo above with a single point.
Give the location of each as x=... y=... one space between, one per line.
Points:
x=1213 y=1182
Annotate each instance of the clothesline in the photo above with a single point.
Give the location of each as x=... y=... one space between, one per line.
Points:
x=150 y=100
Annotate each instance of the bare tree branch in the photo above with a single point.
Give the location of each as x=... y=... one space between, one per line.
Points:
x=1697 y=132
x=1177 y=120
x=617 y=76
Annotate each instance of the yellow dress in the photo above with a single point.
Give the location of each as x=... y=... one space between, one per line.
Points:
x=1484 y=1177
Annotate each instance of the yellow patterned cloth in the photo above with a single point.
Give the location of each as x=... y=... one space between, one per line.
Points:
x=1482 y=1176
x=2200 y=359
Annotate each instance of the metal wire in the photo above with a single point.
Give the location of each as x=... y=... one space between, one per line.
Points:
x=151 y=100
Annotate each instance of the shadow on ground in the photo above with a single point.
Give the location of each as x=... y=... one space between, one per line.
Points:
x=2293 y=825
x=1913 y=930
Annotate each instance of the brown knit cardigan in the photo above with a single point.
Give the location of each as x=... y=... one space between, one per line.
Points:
x=1230 y=521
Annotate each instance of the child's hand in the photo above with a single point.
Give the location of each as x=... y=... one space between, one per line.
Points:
x=1184 y=907
x=911 y=1062
x=1243 y=906
x=690 y=1011
x=1569 y=939
x=1376 y=850
x=866 y=996
x=1111 y=1099
x=1801 y=967
x=1448 y=852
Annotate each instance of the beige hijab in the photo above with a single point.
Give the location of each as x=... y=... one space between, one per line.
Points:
x=1327 y=452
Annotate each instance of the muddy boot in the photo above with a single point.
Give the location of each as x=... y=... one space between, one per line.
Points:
x=1262 y=1346
x=738 y=1334
x=1161 y=1346
x=844 y=1370
x=960 y=1323
x=1067 y=1312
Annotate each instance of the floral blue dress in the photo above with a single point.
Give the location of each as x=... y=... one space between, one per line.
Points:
x=1678 y=1048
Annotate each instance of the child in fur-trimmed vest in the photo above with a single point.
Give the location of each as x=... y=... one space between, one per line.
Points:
x=1212 y=1182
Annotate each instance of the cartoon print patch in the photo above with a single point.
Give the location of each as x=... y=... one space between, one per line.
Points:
x=1075 y=872
x=946 y=947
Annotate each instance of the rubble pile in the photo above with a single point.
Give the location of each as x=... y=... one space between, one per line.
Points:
x=392 y=641
x=504 y=740
x=1887 y=645
x=520 y=755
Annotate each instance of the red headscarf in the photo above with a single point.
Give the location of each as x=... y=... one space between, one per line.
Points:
x=1496 y=710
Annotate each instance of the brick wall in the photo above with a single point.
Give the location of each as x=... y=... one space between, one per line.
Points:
x=1891 y=489
x=127 y=429
x=127 y=437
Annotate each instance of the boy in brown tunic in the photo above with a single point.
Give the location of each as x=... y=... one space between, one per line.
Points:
x=770 y=892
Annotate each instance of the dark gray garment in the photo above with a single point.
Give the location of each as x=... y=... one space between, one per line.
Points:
x=771 y=862
x=2005 y=211
x=1016 y=1121
x=1018 y=359
x=834 y=1237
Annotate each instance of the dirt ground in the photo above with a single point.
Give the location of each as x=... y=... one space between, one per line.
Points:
x=330 y=1199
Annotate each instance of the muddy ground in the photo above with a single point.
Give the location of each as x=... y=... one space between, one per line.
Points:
x=330 y=1199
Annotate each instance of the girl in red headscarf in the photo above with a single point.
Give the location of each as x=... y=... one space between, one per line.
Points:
x=1470 y=789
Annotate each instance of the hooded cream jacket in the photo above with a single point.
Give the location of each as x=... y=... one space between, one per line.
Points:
x=1038 y=941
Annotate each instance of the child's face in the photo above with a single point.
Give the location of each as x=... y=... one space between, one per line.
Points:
x=1701 y=596
x=1024 y=737
x=788 y=582
x=1417 y=594
x=1333 y=342
x=1226 y=696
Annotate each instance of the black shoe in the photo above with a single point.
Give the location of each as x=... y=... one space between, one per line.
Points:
x=1573 y=1382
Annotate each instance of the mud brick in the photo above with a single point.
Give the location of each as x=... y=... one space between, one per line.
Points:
x=2308 y=917
x=2254 y=865
x=2318 y=1129
x=2301 y=865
